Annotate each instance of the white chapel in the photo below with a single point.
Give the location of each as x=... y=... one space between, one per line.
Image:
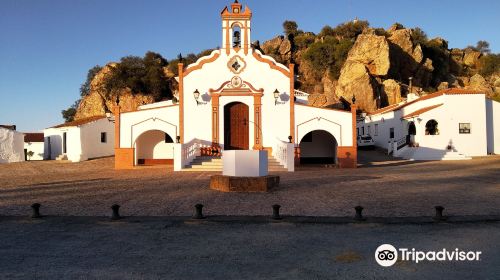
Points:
x=236 y=98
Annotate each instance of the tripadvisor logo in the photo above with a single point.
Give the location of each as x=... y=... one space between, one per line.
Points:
x=387 y=255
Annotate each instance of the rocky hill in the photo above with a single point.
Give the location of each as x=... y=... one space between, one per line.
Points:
x=352 y=59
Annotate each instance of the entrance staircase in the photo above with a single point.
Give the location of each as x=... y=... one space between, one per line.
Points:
x=214 y=164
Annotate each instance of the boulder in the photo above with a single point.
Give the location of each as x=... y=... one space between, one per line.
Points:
x=355 y=80
x=372 y=51
x=477 y=82
x=392 y=90
x=279 y=47
x=443 y=85
x=471 y=57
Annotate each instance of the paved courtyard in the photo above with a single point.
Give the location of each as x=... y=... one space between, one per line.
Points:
x=384 y=186
x=159 y=248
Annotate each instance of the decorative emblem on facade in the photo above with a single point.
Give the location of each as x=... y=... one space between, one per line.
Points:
x=236 y=64
x=236 y=82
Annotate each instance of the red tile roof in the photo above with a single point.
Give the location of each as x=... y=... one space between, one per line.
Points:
x=448 y=91
x=33 y=137
x=80 y=121
x=421 y=111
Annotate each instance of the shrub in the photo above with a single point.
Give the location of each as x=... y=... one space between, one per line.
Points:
x=328 y=54
x=489 y=64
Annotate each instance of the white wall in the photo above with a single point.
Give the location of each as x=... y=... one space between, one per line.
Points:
x=11 y=146
x=37 y=148
x=91 y=139
x=73 y=143
x=493 y=126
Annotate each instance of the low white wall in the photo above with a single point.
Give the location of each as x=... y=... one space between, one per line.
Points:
x=37 y=148
x=11 y=146
x=73 y=143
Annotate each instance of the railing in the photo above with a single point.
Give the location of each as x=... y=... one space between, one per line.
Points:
x=300 y=93
x=191 y=150
x=283 y=152
x=402 y=142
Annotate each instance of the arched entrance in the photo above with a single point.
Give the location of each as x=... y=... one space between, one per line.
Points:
x=154 y=147
x=412 y=131
x=431 y=128
x=318 y=146
x=236 y=126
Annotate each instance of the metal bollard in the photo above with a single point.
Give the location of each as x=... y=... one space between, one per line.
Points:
x=359 y=215
x=198 y=212
x=439 y=213
x=36 y=210
x=276 y=212
x=116 y=213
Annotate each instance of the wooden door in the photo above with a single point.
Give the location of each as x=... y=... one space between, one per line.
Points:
x=236 y=126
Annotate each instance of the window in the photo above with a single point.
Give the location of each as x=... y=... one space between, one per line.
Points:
x=357 y=131
x=103 y=137
x=168 y=139
x=391 y=133
x=369 y=130
x=363 y=130
x=431 y=128
x=464 y=128
x=376 y=129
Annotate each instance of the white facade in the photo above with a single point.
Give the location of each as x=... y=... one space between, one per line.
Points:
x=462 y=126
x=37 y=148
x=234 y=98
x=80 y=140
x=11 y=145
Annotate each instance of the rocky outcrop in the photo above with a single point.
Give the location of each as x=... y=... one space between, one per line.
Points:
x=373 y=52
x=392 y=91
x=479 y=83
x=471 y=58
x=97 y=102
x=355 y=80
x=279 y=48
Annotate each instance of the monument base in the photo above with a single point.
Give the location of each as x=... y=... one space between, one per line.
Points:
x=244 y=184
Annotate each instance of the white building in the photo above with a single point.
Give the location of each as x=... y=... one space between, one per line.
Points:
x=448 y=124
x=11 y=144
x=33 y=142
x=80 y=140
x=235 y=98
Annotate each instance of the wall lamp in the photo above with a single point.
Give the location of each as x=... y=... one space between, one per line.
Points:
x=196 y=95
x=276 y=96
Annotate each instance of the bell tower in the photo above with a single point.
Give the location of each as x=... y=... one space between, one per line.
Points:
x=236 y=28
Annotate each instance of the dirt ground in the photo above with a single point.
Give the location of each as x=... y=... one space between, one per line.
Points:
x=384 y=186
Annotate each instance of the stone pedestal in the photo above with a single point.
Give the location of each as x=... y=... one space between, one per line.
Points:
x=244 y=184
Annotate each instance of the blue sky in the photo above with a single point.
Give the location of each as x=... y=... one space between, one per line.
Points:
x=47 y=47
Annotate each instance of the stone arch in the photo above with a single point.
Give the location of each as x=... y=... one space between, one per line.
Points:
x=320 y=123
x=318 y=146
x=153 y=141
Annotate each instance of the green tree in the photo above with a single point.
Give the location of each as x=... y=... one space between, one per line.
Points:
x=140 y=75
x=418 y=36
x=85 y=87
x=328 y=54
x=69 y=114
x=483 y=46
x=290 y=28
x=489 y=64
x=350 y=29
x=30 y=154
